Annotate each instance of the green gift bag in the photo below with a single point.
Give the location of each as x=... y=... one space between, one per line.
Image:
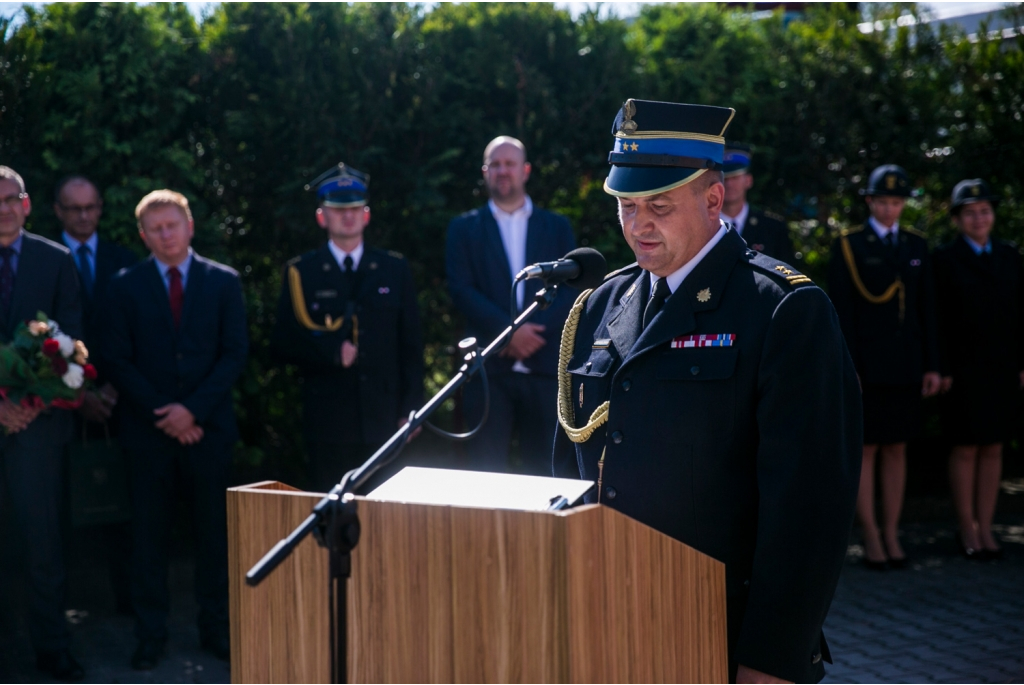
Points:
x=98 y=481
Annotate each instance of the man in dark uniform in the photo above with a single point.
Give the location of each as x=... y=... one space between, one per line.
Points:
x=709 y=393
x=348 y=319
x=880 y=282
x=763 y=231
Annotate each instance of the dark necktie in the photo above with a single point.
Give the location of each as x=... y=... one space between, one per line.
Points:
x=657 y=301
x=6 y=279
x=176 y=294
x=348 y=277
x=83 y=268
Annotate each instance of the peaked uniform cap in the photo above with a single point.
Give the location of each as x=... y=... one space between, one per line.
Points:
x=663 y=145
x=888 y=180
x=737 y=159
x=341 y=186
x=972 y=190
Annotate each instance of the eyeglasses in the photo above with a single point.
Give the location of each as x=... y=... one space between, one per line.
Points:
x=80 y=209
x=12 y=200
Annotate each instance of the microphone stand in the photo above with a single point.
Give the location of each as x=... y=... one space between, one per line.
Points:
x=334 y=520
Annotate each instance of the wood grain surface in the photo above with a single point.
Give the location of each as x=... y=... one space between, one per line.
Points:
x=451 y=594
x=280 y=630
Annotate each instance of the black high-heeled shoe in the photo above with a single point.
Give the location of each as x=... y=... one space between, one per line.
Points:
x=896 y=563
x=969 y=553
x=876 y=565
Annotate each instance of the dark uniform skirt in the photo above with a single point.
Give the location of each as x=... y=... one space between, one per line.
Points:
x=892 y=413
x=981 y=412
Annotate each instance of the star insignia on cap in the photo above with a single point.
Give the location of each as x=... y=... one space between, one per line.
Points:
x=634 y=147
x=704 y=295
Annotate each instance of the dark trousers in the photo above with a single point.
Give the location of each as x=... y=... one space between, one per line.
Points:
x=32 y=462
x=117 y=537
x=162 y=470
x=520 y=402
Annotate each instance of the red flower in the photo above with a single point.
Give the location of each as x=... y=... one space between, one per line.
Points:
x=60 y=365
x=90 y=372
x=51 y=348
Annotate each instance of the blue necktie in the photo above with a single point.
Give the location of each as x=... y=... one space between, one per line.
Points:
x=83 y=268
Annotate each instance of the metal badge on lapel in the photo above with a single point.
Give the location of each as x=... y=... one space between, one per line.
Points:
x=704 y=295
x=704 y=340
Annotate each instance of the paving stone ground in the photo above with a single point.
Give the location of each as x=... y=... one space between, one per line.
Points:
x=944 y=620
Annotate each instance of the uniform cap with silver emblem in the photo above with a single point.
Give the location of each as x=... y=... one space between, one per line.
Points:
x=969 y=191
x=888 y=180
x=663 y=145
x=737 y=159
x=341 y=186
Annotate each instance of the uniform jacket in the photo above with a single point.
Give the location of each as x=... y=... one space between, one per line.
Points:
x=46 y=281
x=887 y=350
x=767 y=232
x=750 y=453
x=389 y=369
x=981 y=313
x=152 y=363
x=480 y=281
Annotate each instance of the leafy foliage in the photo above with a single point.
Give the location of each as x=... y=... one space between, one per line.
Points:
x=240 y=110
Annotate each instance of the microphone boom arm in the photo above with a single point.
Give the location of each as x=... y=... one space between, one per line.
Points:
x=353 y=480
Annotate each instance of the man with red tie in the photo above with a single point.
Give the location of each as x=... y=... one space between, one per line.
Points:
x=175 y=341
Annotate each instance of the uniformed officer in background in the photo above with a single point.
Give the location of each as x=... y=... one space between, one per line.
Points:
x=880 y=282
x=979 y=285
x=763 y=231
x=708 y=391
x=348 y=319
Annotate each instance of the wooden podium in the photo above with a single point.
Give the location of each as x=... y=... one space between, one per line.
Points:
x=456 y=594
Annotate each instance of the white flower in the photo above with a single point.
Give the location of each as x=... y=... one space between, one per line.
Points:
x=67 y=344
x=74 y=377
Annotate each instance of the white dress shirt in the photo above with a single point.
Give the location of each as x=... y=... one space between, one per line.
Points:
x=183 y=268
x=882 y=231
x=676 y=278
x=340 y=254
x=740 y=220
x=512 y=227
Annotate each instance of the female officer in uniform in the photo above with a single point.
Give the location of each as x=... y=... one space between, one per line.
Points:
x=978 y=282
x=881 y=285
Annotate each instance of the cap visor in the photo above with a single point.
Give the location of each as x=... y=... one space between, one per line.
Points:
x=637 y=181
x=343 y=203
x=738 y=171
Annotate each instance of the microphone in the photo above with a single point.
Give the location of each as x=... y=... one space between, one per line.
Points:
x=583 y=268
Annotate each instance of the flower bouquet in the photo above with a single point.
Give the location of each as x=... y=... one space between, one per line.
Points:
x=43 y=367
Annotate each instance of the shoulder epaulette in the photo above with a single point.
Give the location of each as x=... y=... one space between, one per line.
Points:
x=293 y=261
x=396 y=254
x=619 y=272
x=773 y=215
x=914 y=231
x=781 y=271
x=851 y=231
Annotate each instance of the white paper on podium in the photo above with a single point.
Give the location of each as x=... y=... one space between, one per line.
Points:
x=416 y=485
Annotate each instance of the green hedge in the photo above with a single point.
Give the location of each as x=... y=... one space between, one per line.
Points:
x=241 y=109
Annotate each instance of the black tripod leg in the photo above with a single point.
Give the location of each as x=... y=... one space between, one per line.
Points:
x=338 y=598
